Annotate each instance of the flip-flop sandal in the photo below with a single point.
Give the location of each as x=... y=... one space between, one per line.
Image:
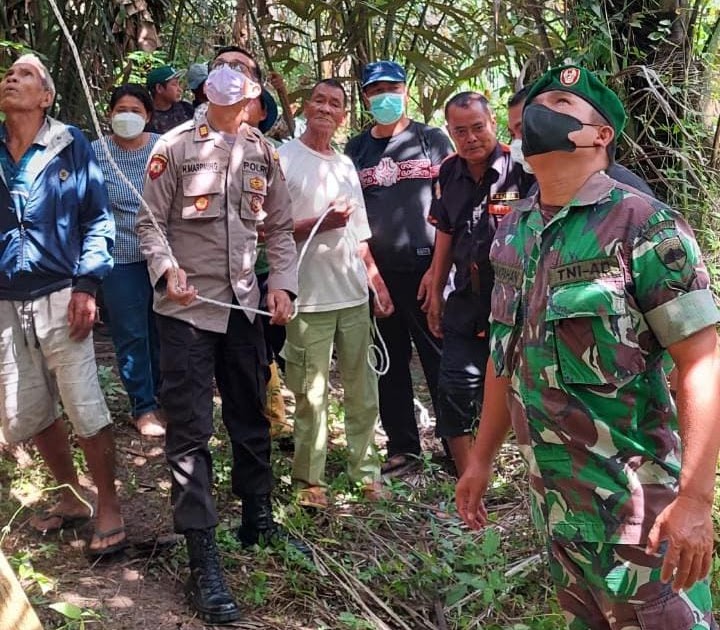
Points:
x=313 y=497
x=398 y=465
x=149 y=425
x=66 y=521
x=96 y=554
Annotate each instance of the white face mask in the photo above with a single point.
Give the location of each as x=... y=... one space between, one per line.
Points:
x=225 y=86
x=517 y=155
x=128 y=125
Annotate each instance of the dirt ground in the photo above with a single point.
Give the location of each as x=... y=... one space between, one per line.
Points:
x=142 y=588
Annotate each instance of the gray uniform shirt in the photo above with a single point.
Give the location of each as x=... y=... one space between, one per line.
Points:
x=208 y=199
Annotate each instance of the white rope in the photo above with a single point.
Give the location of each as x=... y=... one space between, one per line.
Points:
x=101 y=136
x=383 y=358
x=378 y=357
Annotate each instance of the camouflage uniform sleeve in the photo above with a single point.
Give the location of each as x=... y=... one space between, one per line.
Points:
x=672 y=286
x=279 y=241
x=159 y=191
x=505 y=304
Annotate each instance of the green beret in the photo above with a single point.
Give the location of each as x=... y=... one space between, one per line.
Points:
x=588 y=87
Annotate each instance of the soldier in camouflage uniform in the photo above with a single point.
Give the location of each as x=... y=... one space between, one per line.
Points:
x=593 y=280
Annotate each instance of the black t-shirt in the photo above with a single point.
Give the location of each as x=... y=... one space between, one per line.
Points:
x=397 y=176
x=164 y=121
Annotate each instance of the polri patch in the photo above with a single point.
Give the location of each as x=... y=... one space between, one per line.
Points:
x=201 y=204
x=157 y=166
x=671 y=253
x=257 y=184
x=256 y=203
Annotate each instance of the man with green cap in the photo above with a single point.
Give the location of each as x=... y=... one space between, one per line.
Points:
x=163 y=83
x=593 y=282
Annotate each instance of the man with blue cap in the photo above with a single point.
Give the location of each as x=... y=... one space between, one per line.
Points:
x=196 y=76
x=594 y=282
x=398 y=160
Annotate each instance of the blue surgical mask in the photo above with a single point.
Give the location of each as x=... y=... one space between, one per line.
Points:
x=387 y=108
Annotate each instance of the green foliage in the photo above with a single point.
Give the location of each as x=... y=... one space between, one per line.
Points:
x=350 y=620
x=139 y=63
x=110 y=385
x=29 y=577
x=75 y=617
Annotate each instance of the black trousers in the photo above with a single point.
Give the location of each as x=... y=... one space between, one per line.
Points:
x=189 y=358
x=274 y=335
x=466 y=348
x=407 y=324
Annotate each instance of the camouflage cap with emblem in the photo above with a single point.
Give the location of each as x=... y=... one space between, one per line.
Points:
x=587 y=86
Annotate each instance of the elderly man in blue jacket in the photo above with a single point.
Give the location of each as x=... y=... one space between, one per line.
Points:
x=56 y=232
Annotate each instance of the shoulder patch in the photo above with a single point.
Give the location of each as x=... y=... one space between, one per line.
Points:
x=654 y=230
x=672 y=253
x=157 y=166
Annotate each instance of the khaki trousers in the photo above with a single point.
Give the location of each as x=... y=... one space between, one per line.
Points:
x=308 y=351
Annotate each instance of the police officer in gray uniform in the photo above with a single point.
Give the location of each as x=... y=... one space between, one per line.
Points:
x=209 y=184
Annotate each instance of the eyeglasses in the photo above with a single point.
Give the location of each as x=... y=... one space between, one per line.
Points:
x=238 y=66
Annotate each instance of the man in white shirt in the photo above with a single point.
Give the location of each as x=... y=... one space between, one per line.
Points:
x=332 y=301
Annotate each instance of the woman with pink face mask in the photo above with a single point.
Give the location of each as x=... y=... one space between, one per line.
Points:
x=127 y=291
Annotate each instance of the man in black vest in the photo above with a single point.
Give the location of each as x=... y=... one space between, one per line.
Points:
x=472 y=195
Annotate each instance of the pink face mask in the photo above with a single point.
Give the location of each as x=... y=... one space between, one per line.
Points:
x=226 y=86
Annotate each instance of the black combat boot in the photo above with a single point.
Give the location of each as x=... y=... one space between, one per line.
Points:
x=259 y=528
x=205 y=587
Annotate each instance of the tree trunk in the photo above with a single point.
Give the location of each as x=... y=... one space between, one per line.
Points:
x=240 y=35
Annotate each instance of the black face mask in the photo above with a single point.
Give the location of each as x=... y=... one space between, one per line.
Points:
x=545 y=130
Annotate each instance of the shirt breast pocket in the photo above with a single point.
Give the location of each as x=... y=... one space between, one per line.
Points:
x=595 y=337
x=202 y=196
x=254 y=194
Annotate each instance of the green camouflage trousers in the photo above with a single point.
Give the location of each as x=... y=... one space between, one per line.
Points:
x=602 y=586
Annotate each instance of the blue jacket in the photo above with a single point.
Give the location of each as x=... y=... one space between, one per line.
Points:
x=67 y=230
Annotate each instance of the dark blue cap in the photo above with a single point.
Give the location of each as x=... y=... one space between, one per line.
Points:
x=383 y=71
x=271 y=108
